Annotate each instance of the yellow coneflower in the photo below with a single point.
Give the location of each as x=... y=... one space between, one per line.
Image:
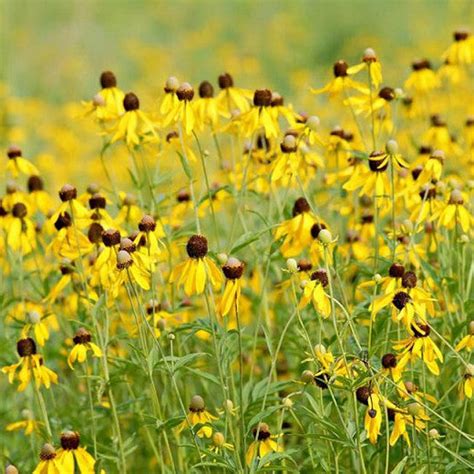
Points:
x=170 y=99
x=39 y=198
x=198 y=415
x=390 y=367
x=219 y=443
x=422 y=79
x=19 y=165
x=49 y=463
x=32 y=366
x=128 y=264
x=341 y=83
x=466 y=387
x=467 y=342
x=313 y=290
x=197 y=269
x=462 y=50
x=129 y=211
x=206 y=108
x=134 y=126
x=371 y=63
x=233 y=271
x=231 y=98
x=263 y=444
x=182 y=110
x=29 y=424
x=72 y=455
x=21 y=233
x=420 y=345
x=82 y=345
x=454 y=212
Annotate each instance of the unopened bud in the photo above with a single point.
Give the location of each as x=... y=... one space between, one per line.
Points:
x=307 y=376
x=313 y=122
x=287 y=402
x=325 y=236
x=222 y=258
x=391 y=147
x=292 y=265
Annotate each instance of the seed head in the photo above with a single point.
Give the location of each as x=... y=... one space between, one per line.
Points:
x=233 y=269
x=434 y=433
x=423 y=330
x=197 y=246
x=185 y=92
x=225 y=81
x=409 y=280
x=172 y=84
x=111 y=237
x=206 y=90
x=387 y=93
x=108 y=79
x=262 y=98
x=340 y=68
x=288 y=144
x=301 y=205
x=11 y=469
x=67 y=193
x=97 y=201
x=261 y=432
x=197 y=404
x=320 y=275
x=420 y=64
x=277 y=100
x=369 y=56
x=292 y=265
x=70 y=440
x=400 y=300
x=14 y=151
x=307 y=376
x=131 y=102
x=461 y=35
x=218 y=439
x=372 y=413
x=396 y=270
x=47 y=452
x=95 y=232
x=82 y=336
x=26 y=347
x=127 y=245
x=363 y=394
x=124 y=260
x=303 y=265
x=322 y=380
x=35 y=183
x=19 y=210
x=147 y=224
x=374 y=162
x=389 y=361
x=456 y=197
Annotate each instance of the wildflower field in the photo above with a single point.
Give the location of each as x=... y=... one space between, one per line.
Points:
x=236 y=236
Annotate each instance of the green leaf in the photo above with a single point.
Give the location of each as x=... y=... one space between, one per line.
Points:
x=398 y=469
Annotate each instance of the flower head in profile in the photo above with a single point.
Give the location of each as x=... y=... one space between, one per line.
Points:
x=72 y=456
x=82 y=345
x=264 y=443
x=197 y=269
x=17 y=164
x=461 y=51
x=233 y=270
x=198 y=415
x=48 y=461
x=230 y=97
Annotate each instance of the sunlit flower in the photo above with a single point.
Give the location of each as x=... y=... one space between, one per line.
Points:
x=263 y=444
x=198 y=415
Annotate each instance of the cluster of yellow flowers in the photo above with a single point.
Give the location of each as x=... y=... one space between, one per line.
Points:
x=240 y=248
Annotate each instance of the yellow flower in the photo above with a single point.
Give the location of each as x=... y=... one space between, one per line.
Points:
x=130 y=265
x=313 y=290
x=182 y=111
x=32 y=366
x=462 y=50
x=264 y=444
x=297 y=230
x=420 y=345
x=232 y=98
x=467 y=342
x=134 y=126
x=454 y=212
x=198 y=415
x=206 y=108
x=38 y=197
x=21 y=233
x=371 y=64
x=219 y=443
x=233 y=270
x=194 y=272
x=19 y=165
x=48 y=461
x=259 y=117
x=29 y=424
x=341 y=83
x=71 y=455
x=423 y=79
x=415 y=416
x=466 y=387
x=82 y=345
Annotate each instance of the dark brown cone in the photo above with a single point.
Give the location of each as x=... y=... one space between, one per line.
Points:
x=460 y=35
x=185 y=92
x=110 y=237
x=13 y=151
x=262 y=98
x=147 y=224
x=225 y=81
x=387 y=93
x=67 y=193
x=26 y=347
x=19 y=210
x=321 y=275
x=263 y=431
x=128 y=245
x=421 y=64
x=322 y=380
x=233 y=270
x=64 y=220
x=425 y=330
x=396 y=270
x=70 y=440
x=363 y=394
x=206 y=90
x=82 y=336
x=340 y=68
x=97 y=201
x=35 y=183
x=183 y=196
x=301 y=205
x=400 y=300
x=389 y=361
x=108 y=79
x=409 y=280
x=94 y=234
x=131 y=102
x=304 y=265
x=197 y=246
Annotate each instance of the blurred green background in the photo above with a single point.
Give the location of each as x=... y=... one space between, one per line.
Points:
x=55 y=49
